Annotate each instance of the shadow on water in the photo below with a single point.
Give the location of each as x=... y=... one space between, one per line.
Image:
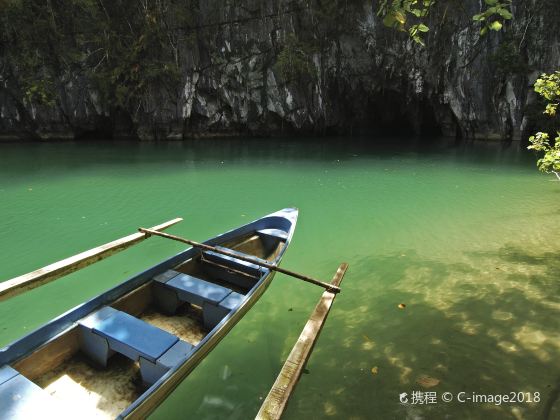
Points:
x=63 y=155
x=489 y=326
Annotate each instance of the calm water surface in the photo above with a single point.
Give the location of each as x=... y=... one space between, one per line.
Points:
x=466 y=236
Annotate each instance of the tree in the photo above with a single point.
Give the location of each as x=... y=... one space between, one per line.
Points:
x=548 y=86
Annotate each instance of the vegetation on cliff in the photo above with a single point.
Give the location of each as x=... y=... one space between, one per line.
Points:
x=410 y=15
x=125 y=50
x=548 y=86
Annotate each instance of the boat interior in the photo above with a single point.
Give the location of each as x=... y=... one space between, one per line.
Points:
x=108 y=359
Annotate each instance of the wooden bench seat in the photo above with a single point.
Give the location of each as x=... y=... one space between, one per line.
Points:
x=172 y=288
x=197 y=291
x=127 y=335
x=271 y=237
x=7 y=373
x=237 y=264
x=108 y=331
x=218 y=265
x=151 y=372
x=274 y=233
x=22 y=399
x=227 y=305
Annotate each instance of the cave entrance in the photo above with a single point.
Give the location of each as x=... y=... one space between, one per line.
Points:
x=389 y=113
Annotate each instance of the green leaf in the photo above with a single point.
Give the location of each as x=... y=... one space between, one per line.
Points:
x=491 y=2
x=496 y=25
x=418 y=40
x=551 y=109
x=506 y=14
x=400 y=17
x=478 y=18
x=423 y=28
x=483 y=31
x=389 y=20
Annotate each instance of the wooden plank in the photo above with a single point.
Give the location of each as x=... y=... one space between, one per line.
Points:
x=18 y=285
x=135 y=302
x=49 y=356
x=275 y=403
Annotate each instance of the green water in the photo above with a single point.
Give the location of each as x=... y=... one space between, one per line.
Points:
x=465 y=236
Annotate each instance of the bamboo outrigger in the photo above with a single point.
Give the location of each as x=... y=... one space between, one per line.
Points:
x=277 y=399
x=21 y=284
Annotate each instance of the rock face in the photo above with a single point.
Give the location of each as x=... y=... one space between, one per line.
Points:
x=275 y=67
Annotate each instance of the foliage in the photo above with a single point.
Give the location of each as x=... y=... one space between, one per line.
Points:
x=121 y=48
x=40 y=92
x=398 y=14
x=294 y=59
x=548 y=86
x=508 y=59
x=409 y=16
x=492 y=16
x=550 y=162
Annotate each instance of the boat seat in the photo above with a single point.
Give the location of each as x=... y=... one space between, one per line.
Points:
x=271 y=237
x=109 y=330
x=151 y=372
x=7 y=373
x=22 y=399
x=273 y=233
x=253 y=270
x=246 y=267
x=174 y=288
x=197 y=291
x=213 y=317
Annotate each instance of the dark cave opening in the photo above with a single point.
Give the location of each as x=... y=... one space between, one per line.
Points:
x=428 y=120
x=101 y=129
x=391 y=113
x=117 y=125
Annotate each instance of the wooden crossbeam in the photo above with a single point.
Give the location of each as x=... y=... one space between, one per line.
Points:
x=224 y=251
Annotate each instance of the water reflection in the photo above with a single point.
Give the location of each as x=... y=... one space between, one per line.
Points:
x=191 y=153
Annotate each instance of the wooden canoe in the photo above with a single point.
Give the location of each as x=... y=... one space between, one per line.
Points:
x=123 y=352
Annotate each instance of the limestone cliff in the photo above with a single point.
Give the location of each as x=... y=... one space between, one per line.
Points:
x=275 y=67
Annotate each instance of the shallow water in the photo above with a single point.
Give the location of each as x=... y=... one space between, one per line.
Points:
x=466 y=236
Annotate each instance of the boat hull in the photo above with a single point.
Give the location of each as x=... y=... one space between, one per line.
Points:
x=54 y=334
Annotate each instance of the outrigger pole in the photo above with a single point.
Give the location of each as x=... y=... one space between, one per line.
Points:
x=18 y=285
x=328 y=286
x=277 y=399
